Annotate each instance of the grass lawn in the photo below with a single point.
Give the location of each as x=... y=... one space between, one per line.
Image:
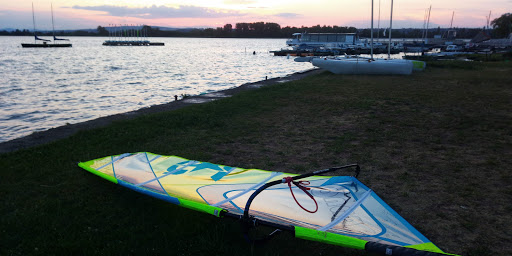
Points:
x=436 y=146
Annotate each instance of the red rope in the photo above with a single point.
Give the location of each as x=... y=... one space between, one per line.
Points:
x=300 y=185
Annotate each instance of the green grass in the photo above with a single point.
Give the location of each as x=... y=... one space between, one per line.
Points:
x=436 y=146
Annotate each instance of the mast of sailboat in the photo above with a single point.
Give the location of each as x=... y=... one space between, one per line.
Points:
x=488 y=20
x=53 y=27
x=378 y=25
x=451 y=23
x=34 y=22
x=390 y=29
x=53 y=23
x=371 y=31
x=424 y=24
x=428 y=22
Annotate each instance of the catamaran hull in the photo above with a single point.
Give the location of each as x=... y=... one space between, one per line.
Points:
x=363 y=66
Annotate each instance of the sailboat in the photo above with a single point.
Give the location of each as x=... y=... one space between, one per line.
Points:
x=45 y=41
x=356 y=65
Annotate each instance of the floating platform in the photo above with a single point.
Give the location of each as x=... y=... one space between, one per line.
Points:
x=44 y=45
x=333 y=52
x=132 y=43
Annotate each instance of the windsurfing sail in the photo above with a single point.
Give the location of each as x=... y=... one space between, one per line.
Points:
x=337 y=210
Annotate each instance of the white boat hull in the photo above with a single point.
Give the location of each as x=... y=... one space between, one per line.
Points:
x=364 y=66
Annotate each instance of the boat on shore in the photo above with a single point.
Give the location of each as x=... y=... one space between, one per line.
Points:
x=357 y=65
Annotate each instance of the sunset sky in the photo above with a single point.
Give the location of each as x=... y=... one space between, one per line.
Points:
x=75 y=14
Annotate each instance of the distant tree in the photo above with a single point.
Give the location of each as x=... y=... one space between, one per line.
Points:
x=102 y=31
x=242 y=29
x=272 y=30
x=257 y=28
x=227 y=30
x=503 y=25
x=209 y=32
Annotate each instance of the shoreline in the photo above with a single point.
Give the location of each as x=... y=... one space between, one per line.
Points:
x=61 y=132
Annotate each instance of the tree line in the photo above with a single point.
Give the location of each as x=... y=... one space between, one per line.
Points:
x=502 y=27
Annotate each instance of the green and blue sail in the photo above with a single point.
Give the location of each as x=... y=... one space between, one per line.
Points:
x=349 y=213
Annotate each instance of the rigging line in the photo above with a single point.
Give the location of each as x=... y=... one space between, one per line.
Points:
x=256 y=186
x=305 y=189
x=347 y=212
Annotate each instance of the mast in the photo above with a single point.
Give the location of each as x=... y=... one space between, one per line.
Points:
x=424 y=25
x=451 y=23
x=378 y=25
x=371 y=49
x=53 y=24
x=488 y=20
x=390 y=29
x=428 y=22
x=34 y=22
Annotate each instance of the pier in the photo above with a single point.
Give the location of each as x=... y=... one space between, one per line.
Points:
x=124 y=35
x=131 y=43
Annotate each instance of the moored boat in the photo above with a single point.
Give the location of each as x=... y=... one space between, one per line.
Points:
x=45 y=43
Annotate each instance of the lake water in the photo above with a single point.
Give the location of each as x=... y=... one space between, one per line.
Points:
x=41 y=88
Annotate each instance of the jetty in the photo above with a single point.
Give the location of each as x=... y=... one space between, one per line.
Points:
x=124 y=35
x=131 y=43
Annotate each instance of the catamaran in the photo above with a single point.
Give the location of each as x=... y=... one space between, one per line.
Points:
x=357 y=65
x=354 y=65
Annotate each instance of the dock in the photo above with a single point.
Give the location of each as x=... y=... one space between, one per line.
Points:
x=132 y=43
x=124 y=35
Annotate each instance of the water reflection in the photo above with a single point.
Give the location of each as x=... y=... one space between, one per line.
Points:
x=88 y=80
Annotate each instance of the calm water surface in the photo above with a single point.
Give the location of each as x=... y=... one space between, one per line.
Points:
x=41 y=88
